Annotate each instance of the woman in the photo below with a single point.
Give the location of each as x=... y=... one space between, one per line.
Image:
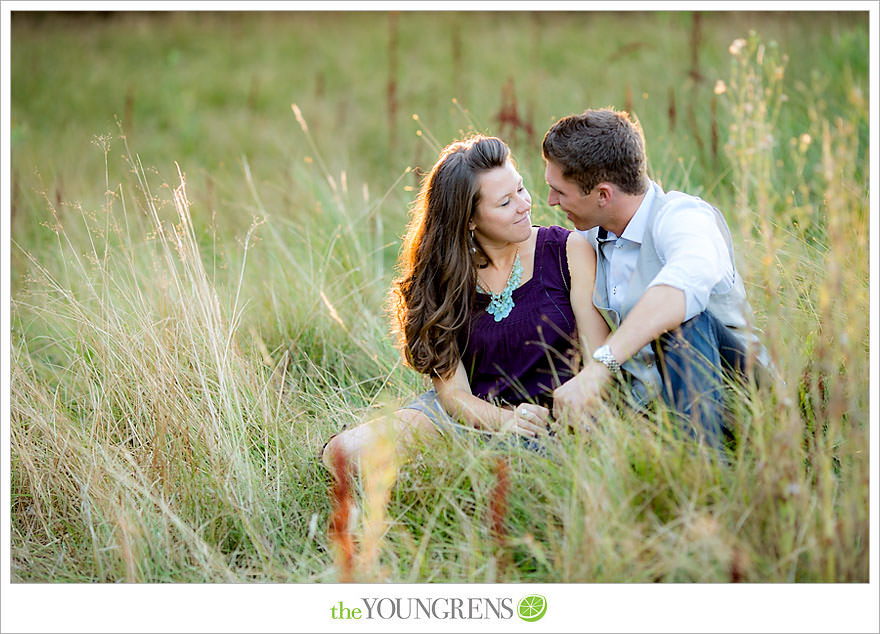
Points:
x=490 y=307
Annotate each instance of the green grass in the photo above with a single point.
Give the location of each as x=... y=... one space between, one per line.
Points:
x=178 y=362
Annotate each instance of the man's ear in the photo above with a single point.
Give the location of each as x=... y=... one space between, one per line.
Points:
x=605 y=193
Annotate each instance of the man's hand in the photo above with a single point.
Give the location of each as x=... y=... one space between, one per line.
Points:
x=581 y=395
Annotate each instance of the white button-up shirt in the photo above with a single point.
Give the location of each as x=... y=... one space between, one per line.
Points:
x=688 y=241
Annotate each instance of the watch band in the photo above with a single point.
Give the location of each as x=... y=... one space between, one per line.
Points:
x=604 y=356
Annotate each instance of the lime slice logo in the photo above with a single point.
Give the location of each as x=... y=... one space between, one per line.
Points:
x=531 y=608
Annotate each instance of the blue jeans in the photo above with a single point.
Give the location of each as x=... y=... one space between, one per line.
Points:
x=693 y=361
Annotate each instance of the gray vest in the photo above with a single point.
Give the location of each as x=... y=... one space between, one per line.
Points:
x=729 y=306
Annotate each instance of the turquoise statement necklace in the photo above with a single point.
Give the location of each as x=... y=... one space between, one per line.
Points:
x=500 y=304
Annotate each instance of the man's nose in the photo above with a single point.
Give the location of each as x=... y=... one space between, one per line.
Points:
x=552 y=198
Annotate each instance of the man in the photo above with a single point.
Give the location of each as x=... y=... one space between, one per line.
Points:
x=666 y=281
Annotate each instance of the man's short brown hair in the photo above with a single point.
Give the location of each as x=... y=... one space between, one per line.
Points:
x=599 y=146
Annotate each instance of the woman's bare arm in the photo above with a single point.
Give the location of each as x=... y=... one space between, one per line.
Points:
x=458 y=400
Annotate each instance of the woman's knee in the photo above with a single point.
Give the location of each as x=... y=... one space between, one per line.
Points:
x=344 y=449
x=408 y=428
x=333 y=452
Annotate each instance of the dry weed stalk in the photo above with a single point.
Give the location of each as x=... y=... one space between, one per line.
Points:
x=498 y=510
x=341 y=499
x=378 y=471
x=508 y=117
x=391 y=87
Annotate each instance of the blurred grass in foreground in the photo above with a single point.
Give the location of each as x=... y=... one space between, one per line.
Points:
x=181 y=352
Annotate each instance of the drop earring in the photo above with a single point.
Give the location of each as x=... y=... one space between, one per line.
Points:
x=473 y=242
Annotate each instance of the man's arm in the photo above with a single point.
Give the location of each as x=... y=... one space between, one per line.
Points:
x=660 y=309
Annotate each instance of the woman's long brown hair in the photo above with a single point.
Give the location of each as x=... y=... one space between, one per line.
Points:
x=432 y=296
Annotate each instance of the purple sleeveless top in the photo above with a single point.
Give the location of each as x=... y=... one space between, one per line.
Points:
x=529 y=353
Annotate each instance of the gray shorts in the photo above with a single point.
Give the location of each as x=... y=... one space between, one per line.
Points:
x=428 y=404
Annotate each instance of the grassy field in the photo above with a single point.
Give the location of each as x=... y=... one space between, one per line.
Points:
x=200 y=271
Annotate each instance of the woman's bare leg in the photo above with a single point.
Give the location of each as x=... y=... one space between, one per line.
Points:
x=406 y=430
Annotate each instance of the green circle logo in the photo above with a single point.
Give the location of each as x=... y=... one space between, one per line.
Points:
x=531 y=608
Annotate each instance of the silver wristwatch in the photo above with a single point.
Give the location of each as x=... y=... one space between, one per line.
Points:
x=604 y=356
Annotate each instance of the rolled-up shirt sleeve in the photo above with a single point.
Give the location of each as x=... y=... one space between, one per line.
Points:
x=695 y=255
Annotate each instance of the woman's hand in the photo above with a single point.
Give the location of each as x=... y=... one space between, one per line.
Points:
x=528 y=419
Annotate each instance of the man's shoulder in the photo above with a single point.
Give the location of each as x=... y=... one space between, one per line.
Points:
x=675 y=200
x=678 y=217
